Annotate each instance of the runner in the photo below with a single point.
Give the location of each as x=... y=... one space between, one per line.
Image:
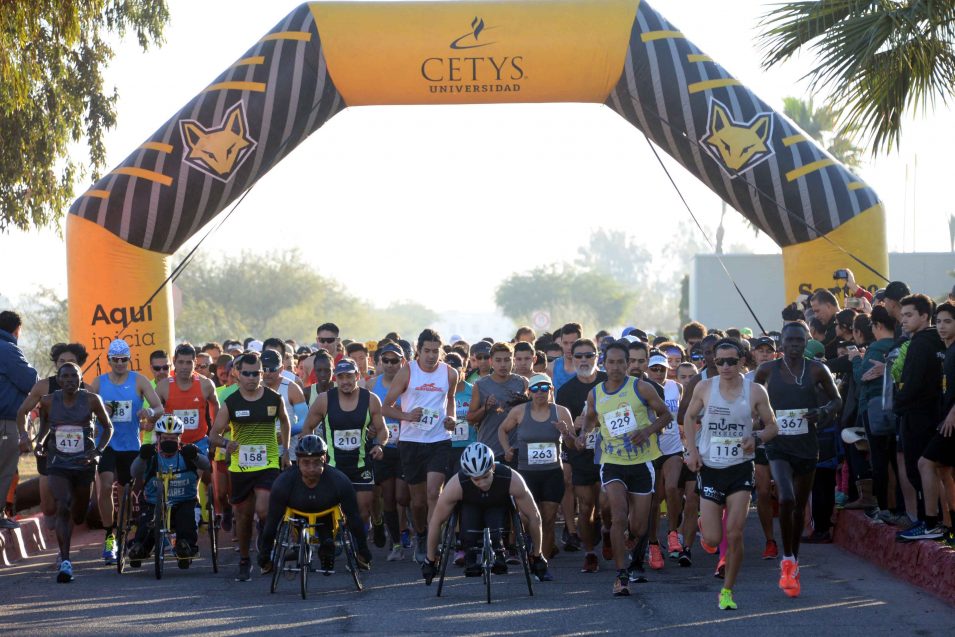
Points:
x=227 y=375
x=524 y=357
x=563 y=369
x=66 y=438
x=480 y=361
x=350 y=418
x=724 y=455
x=254 y=454
x=628 y=447
x=320 y=377
x=584 y=471
x=204 y=366
x=794 y=384
x=275 y=378
x=763 y=352
x=494 y=396
x=122 y=392
x=426 y=389
x=540 y=425
x=464 y=434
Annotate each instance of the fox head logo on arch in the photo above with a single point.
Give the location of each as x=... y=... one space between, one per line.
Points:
x=737 y=146
x=220 y=150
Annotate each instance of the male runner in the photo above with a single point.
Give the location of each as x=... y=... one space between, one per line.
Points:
x=493 y=396
x=524 y=356
x=764 y=351
x=275 y=378
x=668 y=467
x=563 y=369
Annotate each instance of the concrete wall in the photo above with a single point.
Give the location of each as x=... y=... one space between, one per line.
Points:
x=715 y=302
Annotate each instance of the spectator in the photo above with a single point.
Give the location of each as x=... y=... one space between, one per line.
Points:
x=17 y=378
x=895 y=292
x=824 y=307
x=693 y=333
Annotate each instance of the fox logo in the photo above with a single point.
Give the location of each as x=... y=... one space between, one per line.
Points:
x=220 y=150
x=737 y=146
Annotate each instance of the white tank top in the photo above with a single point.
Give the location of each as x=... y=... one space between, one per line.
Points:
x=725 y=425
x=430 y=392
x=669 y=438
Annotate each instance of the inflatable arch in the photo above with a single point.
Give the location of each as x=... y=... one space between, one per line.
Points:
x=325 y=56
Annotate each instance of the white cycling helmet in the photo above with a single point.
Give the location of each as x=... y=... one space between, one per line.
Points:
x=477 y=459
x=169 y=424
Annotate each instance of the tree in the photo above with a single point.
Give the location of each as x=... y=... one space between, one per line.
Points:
x=821 y=124
x=44 y=317
x=880 y=60
x=52 y=56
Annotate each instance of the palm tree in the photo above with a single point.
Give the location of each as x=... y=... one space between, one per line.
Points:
x=820 y=124
x=879 y=58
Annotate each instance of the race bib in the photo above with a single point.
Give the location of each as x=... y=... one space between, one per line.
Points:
x=725 y=452
x=393 y=430
x=189 y=417
x=621 y=421
x=123 y=411
x=346 y=439
x=251 y=456
x=69 y=439
x=541 y=453
x=670 y=429
x=428 y=419
x=461 y=431
x=792 y=422
x=590 y=442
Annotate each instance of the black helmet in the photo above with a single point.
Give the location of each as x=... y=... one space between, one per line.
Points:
x=310 y=446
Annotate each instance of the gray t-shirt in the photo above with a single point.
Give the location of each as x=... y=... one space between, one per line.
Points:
x=509 y=393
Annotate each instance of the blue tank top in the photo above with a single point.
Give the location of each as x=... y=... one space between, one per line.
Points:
x=463 y=434
x=394 y=426
x=184 y=485
x=125 y=418
x=561 y=376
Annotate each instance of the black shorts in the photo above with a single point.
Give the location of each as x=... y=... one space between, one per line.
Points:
x=761 y=456
x=244 y=482
x=77 y=477
x=418 y=459
x=716 y=485
x=659 y=462
x=41 y=465
x=638 y=478
x=117 y=463
x=545 y=486
x=454 y=461
x=686 y=475
x=388 y=467
x=941 y=450
x=800 y=466
x=583 y=471
x=363 y=479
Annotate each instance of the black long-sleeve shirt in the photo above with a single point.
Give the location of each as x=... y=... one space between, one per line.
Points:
x=333 y=488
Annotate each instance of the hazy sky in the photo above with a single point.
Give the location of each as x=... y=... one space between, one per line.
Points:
x=444 y=175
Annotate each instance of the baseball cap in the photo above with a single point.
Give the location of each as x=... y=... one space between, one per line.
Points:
x=481 y=347
x=346 y=366
x=897 y=290
x=746 y=332
x=879 y=295
x=658 y=359
x=626 y=331
x=255 y=346
x=765 y=341
x=640 y=334
x=391 y=347
x=455 y=338
x=814 y=349
x=270 y=358
x=539 y=378
x=852 y=435
x=118 y=347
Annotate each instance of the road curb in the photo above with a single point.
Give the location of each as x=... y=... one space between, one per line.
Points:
x=926 y=564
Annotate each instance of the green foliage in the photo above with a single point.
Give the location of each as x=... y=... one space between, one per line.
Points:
x=879 y=59
x=821 y=124
x=45 y=323
x=52 y=56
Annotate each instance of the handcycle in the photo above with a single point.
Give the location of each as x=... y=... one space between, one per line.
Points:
x=446 y=550
x=298 y=538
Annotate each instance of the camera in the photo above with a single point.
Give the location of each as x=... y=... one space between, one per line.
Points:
x=840 y=274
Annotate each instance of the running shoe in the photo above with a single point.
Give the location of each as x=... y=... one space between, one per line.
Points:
x=591 y=563
x=656 y=556
x=499 y=567
x=686 y=559
x=546 y=577
x=841 y=500
x=771 y=552
x=573 y=543
x=406 y=539
x=397 y=553
x=245 y=570
x=621 y=585
x=607 y=549
x=726 y=600
x=459 y=558
x=7 y=522
x=674 y=545
x=421 y=549
x=797 y=585
x=109 y=550
x=787 y=573
x=720 y=572
x=378 y=535
x=472 y=567
x=65 y=574
x=326 y=556
x=636 y=574
x=920 y=531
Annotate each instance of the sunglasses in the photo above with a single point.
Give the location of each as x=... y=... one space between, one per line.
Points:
x=271 y=370
x=160 y=368
x=585 y=355
x=726 y=361
x=538 y=387
x=390 y=361
x=658 y=368
x=254 y=374
x=696 y=357
x=328 y=341
x=202 y=367
x=120 y=359
x=551 y=359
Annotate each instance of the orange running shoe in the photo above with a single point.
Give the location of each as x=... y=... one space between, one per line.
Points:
x=772 y=551
x=720 y=569
x=673 y=545
x=796 y=588
x=787 y=574
x=656 y=557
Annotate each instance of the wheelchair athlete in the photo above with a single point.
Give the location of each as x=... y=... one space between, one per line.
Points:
x=185 y=462
x=312 y=486
x=484 y=491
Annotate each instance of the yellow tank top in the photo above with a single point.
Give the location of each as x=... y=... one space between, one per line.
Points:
x=620 y=414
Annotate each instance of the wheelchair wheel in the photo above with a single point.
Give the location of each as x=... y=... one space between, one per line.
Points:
x=351 y=558
x=520 y=538
x=278 y=554
x=123 y=525
x=159 y=529
x=304 y=558
x=213 y=527
x=487 y=556
x=447 y=548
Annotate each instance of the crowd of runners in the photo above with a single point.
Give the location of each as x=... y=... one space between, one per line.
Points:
x=591 y=437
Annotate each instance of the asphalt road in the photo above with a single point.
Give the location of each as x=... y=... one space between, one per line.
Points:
x=841 y=595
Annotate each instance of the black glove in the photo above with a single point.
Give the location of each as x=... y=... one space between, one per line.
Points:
x=538 y=565
x=189 y=452
x=428 y=570
x=147 y=451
